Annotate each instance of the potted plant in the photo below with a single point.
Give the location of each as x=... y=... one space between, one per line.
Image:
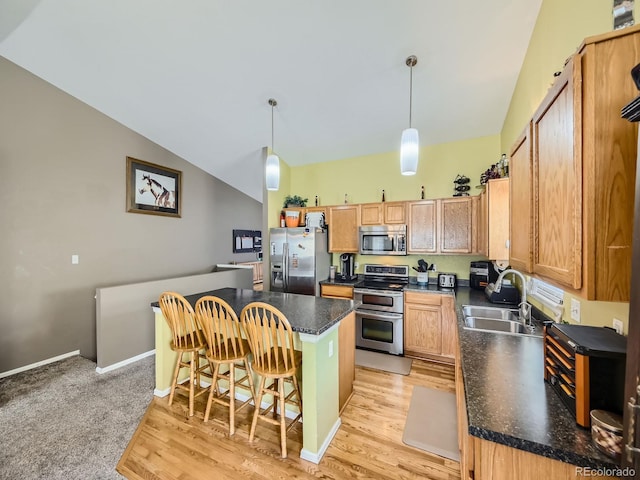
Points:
x=292 y=218
x=295 y=201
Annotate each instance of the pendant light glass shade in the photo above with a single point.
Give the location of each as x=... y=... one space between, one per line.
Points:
x=409 y=148
x=410 y=142
x=272 y=172
x=272 y=167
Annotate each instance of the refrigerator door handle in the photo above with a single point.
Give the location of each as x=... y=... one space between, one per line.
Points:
x=285 y=264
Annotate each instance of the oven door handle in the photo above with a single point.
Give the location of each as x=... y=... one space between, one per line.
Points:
x=380 y=293
x=379 y=316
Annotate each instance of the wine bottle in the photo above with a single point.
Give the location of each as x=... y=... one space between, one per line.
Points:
x=422 y=192
x=383 y=195
x=316 y=200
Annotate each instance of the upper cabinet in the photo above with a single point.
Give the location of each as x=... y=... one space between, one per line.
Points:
x=422 y=228
x=493 y=220
x=442 y=226
x=520 y=179
x=584 y=164
x=456 y=225
x=343 y=234
x=386 y=213
x=557 y=180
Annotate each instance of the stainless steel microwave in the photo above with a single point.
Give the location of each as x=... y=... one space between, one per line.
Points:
x=383 y=240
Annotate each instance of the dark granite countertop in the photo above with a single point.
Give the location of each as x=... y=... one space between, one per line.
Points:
x=306 y=314
x=508 y=401
x=338 y=281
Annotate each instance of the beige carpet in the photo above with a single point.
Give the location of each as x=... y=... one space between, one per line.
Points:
x=383 y=361
x=431 y=423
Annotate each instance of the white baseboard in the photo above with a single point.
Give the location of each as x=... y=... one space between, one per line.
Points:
x=39 y=364
x=121 y=364
x=316 y=457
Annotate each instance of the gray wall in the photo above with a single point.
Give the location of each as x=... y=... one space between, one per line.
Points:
x=62 y=192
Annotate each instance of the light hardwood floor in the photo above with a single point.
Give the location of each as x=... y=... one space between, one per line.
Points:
x=170 y=445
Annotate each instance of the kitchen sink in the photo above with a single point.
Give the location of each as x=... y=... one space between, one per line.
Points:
x=490 y=312
x=495 y=319
x=495 y=325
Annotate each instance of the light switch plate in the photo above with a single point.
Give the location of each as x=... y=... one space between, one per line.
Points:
x=617 y=325
x=75 y=259
x=575 y=310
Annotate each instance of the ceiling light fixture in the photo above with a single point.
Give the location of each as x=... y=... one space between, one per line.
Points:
x=272 y=171
x=410 y=143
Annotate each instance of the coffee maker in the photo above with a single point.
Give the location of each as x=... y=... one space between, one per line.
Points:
x=346 y=267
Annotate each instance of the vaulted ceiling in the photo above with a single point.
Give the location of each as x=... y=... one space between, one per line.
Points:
x=195 y=76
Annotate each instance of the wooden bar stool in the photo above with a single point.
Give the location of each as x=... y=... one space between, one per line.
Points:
x=271 y=341
x=187 y=340
x=225 y=347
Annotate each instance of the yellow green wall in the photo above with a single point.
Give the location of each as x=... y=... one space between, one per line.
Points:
x=364 y=178
x=560 y=29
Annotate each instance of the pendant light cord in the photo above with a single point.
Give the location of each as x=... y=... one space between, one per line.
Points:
x=410 y=94
x=273 y=102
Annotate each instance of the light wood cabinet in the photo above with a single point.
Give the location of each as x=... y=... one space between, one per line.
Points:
x=455 y=225
x=429 y=326
x=336 y=291
x=346 y=359
x=520 y=197
x=493 y=220
x=343 y=234
x=395 y=213
x=422 y=227
x=386 y=213
x=557 y=180
x=371 y=214
x=445 y=226
x=584 y=165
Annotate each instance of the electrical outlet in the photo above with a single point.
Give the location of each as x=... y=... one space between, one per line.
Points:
x=75 y=259
x=617 y=325
x=356 y=264
x=575 y=310
x=330 y=348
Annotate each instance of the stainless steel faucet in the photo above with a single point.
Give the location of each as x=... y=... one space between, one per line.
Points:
x=524 y=307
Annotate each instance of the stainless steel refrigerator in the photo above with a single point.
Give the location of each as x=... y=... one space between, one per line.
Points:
x=299 y=260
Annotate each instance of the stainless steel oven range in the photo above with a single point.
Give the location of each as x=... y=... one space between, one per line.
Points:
x=379 y=318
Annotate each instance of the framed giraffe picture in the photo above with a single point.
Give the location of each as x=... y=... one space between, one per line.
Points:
x=153 y=189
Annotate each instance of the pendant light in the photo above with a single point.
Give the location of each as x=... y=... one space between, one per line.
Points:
x=272 y=171
x=410 y=143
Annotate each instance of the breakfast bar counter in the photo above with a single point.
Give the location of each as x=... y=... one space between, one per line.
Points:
x=315 y=321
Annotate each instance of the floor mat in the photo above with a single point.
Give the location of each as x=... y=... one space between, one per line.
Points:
x=431 y=422
x=383 y=361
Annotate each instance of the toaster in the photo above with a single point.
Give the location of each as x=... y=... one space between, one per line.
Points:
x=447 y=280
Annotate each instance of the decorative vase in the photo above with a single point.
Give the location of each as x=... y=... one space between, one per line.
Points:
x=292 y=219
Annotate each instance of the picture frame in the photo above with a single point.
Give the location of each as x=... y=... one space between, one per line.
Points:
x=153 y=189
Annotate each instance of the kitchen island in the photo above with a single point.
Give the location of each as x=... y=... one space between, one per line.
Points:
x=316 y=323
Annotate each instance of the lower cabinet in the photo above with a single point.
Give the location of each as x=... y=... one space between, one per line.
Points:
x=346 y=343
x=336 y=291
x=429 y=326
x=346 y=359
